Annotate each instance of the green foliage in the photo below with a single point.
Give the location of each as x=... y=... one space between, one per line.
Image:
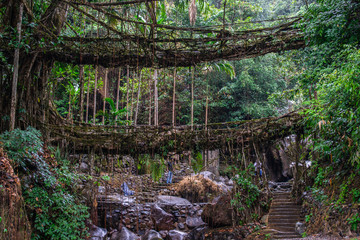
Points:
x=113 y=116
x=355 y=195
x=143 y=164
x=332 y=22
x=335 y=113
x=48 y=192
x=55 y=213
x=319 y=195
x=268 y=236
x=308 y=217
x=157 y=168
x=197 y=162
x=22 y=145
x=248 y=193
x=105 y=178
x=354 y=222
x=246 y=95
x=1 y=222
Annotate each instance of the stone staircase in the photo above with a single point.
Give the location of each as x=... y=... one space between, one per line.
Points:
x=149 y=194
x=283 y=215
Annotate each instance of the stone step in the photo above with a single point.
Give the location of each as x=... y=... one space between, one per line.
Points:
x=283 y=201
x=283 y=217
x=280 y=206
x=286 y=221
x=283 y=193
x=286 y=216
x=288 y=236
x=284 y=211
x=288 y=203
x=279 y=198
x=282 y=196
x=284 y=228
x=288 y=197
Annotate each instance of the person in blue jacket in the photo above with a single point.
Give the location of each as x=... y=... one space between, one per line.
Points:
x=170 y=170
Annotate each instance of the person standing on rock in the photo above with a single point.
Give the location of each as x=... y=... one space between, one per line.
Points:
x=170 y=172
x=258 y=168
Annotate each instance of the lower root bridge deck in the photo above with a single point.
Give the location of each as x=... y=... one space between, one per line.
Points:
x=145 y=139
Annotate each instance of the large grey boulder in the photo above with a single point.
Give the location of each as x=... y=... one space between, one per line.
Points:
x=218 y=213
x=125 y=234
x=97 y=233
x=171 y=200
x=176 y=235
x=151 y=235
x=161 y=219
x=193 y=222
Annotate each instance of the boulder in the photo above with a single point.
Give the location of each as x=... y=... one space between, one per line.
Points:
x=97 y=233
x=300 y=228
x=264 y=219
x=125 y=234
x=101 y=189
x=151 y=235
x=208 y=175
x=193 y=222
x=230 y=182
x=176 y=235
x=224 y=233
x=224 y=188
x=161 y=219
x=164 y=233
x=181 y=226
x=218 y=213
x=84 y=167
x=197 y=233
x=171 y=200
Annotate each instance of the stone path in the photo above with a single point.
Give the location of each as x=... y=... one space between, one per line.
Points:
x=149 y=194
x=283 y=214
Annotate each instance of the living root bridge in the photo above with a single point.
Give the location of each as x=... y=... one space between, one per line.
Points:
x=151 y=139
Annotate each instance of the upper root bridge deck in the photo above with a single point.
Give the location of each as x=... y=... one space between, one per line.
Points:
x=152 y=139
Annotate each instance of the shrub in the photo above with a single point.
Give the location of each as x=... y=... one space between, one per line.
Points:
x=52 y=205
x=197 y=188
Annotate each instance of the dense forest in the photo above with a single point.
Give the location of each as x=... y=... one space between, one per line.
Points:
x=74 y=72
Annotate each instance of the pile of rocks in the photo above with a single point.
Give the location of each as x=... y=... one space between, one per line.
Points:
x=118 y=211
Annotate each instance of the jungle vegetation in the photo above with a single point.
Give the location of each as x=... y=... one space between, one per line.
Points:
x=321 y=79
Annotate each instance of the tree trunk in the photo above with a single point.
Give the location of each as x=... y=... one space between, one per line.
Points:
x=118 y=95
x=207 y=104
x=16 y=70
x=32 y=65
x=132 y=99
x=105 y=95
x=150 y=102
x=87 y=101
x=127 y=92
x=69 y=109
x=174 y=95
x=95 y=90
x=192 y=98
x=81 y=80
x=156 y=99
x=138 y=99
